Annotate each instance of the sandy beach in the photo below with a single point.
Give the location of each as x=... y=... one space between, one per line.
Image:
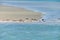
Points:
x=12 y=13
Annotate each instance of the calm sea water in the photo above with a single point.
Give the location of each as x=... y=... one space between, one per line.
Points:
x=33 y=0
x=15 y=31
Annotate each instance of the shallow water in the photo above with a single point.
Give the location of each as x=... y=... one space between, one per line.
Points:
x=15 y=31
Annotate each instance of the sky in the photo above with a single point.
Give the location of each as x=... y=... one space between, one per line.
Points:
x=50 y=8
